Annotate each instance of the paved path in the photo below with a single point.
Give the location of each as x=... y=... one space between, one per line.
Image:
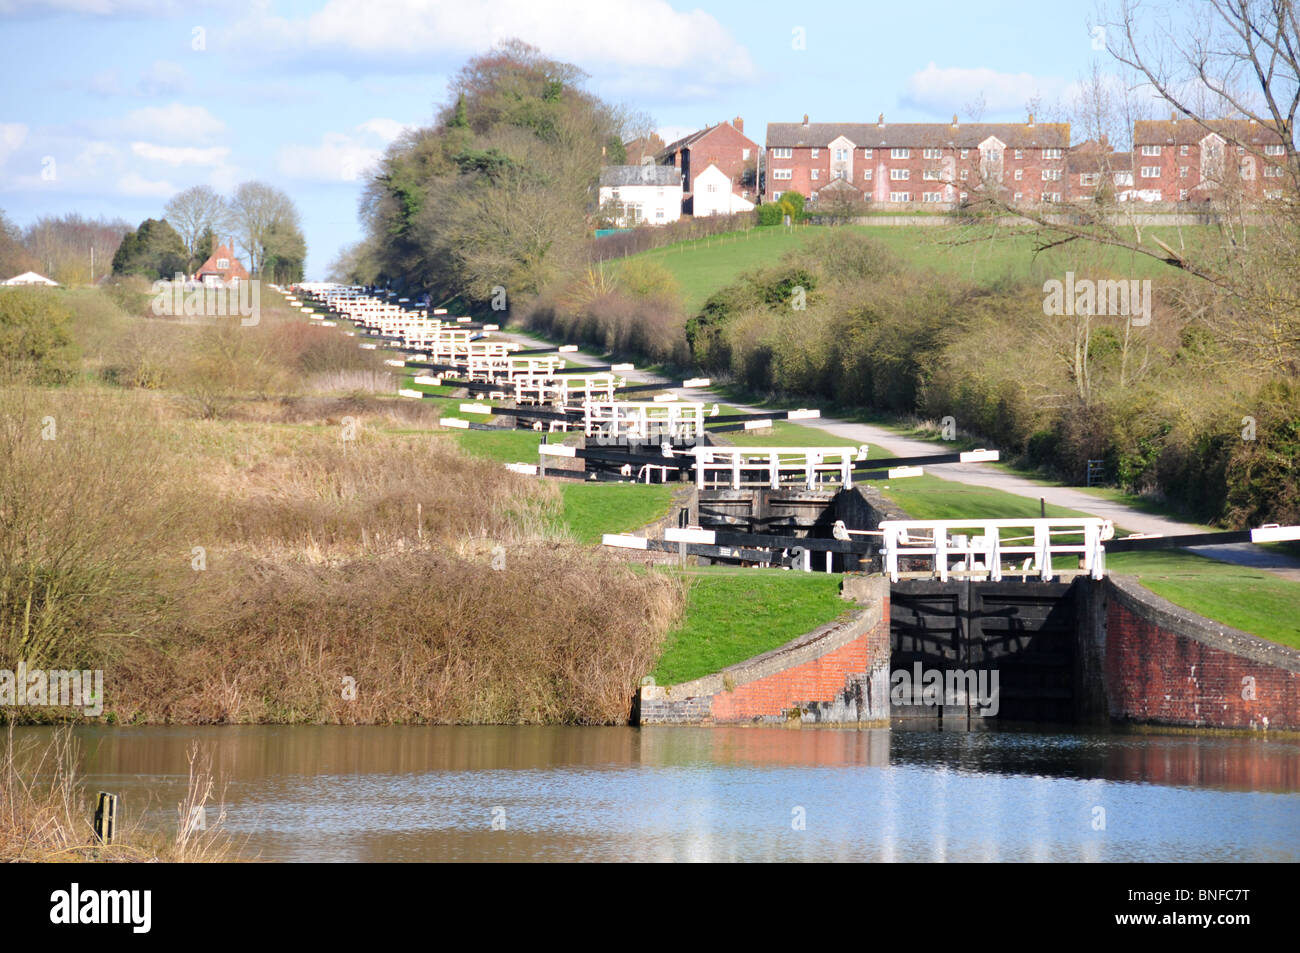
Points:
x=978 y=474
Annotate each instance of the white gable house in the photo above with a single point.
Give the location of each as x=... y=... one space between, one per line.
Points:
x=714 y=196
x=632 y=195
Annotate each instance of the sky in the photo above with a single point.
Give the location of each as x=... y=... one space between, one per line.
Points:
x=109 y=107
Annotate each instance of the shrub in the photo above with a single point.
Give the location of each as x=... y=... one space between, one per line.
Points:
x=34 y=338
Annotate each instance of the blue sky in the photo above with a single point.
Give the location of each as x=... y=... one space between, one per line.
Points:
x=108 y=107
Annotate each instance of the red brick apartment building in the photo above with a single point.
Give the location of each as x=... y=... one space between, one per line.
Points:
x=724 y=145
x=918 y=164
x=1183 y=160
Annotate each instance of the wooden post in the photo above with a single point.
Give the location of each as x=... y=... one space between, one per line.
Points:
x=106 y=817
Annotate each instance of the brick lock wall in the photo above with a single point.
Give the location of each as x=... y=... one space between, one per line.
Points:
x=1164 y=665
x=836 y=674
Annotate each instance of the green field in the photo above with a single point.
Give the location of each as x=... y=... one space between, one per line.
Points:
x=734 y=614
x=703 y=266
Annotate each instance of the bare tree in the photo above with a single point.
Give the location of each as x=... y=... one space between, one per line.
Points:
x=193 y=212
x=256 y=210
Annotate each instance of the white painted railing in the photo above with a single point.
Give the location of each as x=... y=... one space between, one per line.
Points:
x=978 y=548
x=738 y=468
x=643 y=419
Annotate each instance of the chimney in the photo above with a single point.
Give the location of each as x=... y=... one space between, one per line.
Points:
x=880 y=121
x=1173 y=117
x=954 y=120
x=805 y=119
x=1031 y=121
x=739 y=124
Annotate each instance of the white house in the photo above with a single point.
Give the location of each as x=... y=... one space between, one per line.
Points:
x=30 y=278
x=641 y=193
x=714 y=196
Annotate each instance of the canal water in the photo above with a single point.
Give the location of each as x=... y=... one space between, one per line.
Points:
x=714 y=794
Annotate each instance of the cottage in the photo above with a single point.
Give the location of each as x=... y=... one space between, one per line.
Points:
x=632 y=195
x=222 y=269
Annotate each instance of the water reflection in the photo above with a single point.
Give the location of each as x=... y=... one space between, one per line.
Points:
x=409 y=793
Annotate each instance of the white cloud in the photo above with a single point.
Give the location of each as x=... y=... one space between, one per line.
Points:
x=172 y=122
x=137 y=186
x=647 y=38
x=385 y=129
x=341 y=157
x=180 y=155
x=950 y=89
x=12 y=137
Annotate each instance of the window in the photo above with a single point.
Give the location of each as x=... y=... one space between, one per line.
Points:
x=782 y=153
x=223 y=264
x=841 y=155
x=965 y=174
x=1273 y=194
x=1273 y=172
x=1020 y=153
x=816 y=174
x=1050 y=175
x=866 y=153
x=816 y=153
x=783 y=174
x=812 y=196
x=931 y=174
x=1182 y=195
x=931 y=196
x=1151 y=150
x=744 y=155
x=964 y=153
x=1051 y=153
x=899 y=175
x=1020 y=174
x=963 y=196
x=839 y=174
x=1051 y=196
x=1151 y=172
x=1241 y=150
x=711 y=187
x=932 y=153
x=1183 y=150
x=866 y=173
x=900 y=153
x=776 y=196
x=1275 y=150
x=900 y=196
x=1017 y=197
x=659 y=214
x=1182 y=171
x=1089 y=178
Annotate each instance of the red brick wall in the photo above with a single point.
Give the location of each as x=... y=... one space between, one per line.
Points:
x=819 y=680
x=802 y=163
x=1157 y=674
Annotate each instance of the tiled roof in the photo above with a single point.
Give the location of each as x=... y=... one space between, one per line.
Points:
x=620 y=175
x=1161 y=132
x=234 y=270
x=919 y=135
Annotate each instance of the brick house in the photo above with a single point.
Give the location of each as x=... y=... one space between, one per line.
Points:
x=925 y=164
x=222 y=267
x=724 y=146
x=1094 y=170
x=1185 y=160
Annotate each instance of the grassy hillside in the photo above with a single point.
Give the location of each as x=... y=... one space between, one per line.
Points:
x=703 y=266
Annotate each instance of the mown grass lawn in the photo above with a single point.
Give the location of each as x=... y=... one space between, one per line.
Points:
x=593 y=509
x=1248 y=599
x=733 y=614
